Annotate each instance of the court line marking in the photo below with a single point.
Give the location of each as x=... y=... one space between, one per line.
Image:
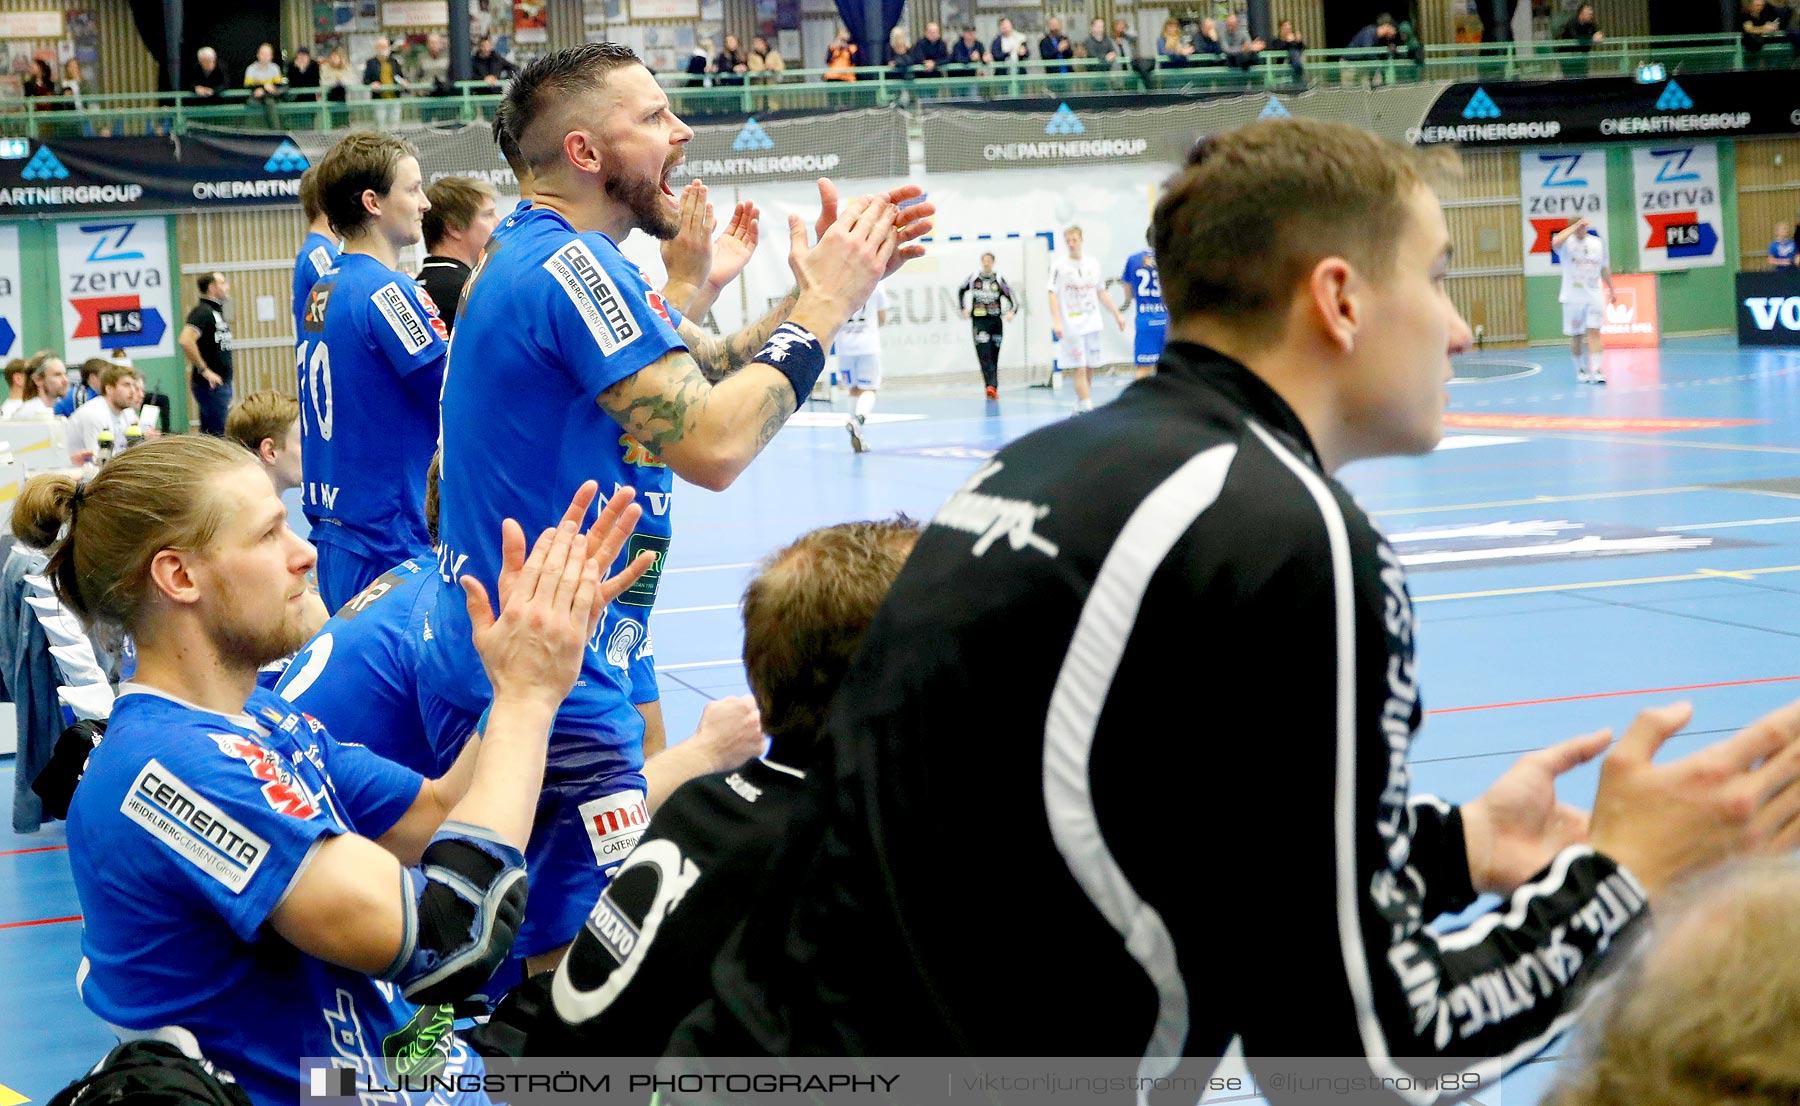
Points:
x=10 y=1097
x=1614 y=694
x=1728 y=525
x=697 y=664
x=1702 y=574
x=1665 y=440
x=1538 y=499
x=40 y=922
x=711 y=568
x=695 y=610
x=39 y=849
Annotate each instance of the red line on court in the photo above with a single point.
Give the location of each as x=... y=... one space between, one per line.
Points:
x=1616 y=694
x=39 y=849
x=39 y=922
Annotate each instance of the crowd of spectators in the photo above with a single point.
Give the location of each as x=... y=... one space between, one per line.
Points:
x=388 y=74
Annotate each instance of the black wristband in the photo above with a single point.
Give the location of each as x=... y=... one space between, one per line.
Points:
x=793 y=352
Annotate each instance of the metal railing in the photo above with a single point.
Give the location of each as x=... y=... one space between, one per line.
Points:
x=872 y=86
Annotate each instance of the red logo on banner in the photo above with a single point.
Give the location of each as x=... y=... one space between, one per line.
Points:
x=1660 y=224
x=1630 y=320
x=89 y=311
x=1545 y=228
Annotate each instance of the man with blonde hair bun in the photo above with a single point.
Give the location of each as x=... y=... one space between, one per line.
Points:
x=1218 y=643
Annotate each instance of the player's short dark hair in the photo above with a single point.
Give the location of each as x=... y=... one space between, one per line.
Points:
x=1241 y=226
x=455 y=201
x=310 y=207
x=205 y=282
x=552 y=78
x=805 y=614
x=362 y=161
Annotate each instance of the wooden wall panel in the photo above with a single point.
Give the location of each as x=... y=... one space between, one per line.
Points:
x=1487 y=279
x=256 y=250
x=1768 y=183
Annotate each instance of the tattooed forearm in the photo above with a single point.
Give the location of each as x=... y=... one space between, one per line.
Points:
x=661 y=417
x=719 y=357
x=778 y=404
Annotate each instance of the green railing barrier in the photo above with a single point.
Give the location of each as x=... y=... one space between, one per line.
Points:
x=820 y=89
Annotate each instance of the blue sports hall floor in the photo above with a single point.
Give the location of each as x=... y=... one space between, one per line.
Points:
x=1576 y=552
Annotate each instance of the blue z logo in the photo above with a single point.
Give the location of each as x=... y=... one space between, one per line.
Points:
x=120 y=253
x=1561 y=166
x=1673 y=162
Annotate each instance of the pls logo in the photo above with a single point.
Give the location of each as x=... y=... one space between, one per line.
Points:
x=1681 y=233
x=117 y=321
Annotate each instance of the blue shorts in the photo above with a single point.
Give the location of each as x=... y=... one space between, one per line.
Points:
x=589 y=816
x=343 y=573
x=1150 y=341
x=448 y=727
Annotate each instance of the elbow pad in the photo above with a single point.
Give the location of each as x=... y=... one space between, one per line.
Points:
x=463 y=905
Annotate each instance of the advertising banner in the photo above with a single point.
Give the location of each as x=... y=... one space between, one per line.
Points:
x=198 y=170
x=114 y=279
x=12 y=296
x=1768 y=311
x=1613 y=109
x=1680 y=223
x=1631 y=319
x=1558 y=187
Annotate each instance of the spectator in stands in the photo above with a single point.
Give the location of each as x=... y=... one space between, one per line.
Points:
x=731 y=65
x=1705 y=1011
x=206 y=340
x=766 y=62
x=42 y=79
x=967 y=54
x=268 y=425
x=1762 y=20
x=931 y=53
x=1098 y=47
x=1781 y=247
x=113 y=409
x=900 y=53
x=1174 y=48
x=71 y=83
x=841 y=55
x=386 y=82
x=18 y=387
x=1206 y=40
x=266 y=81
x=458 y=224
x=1124 y=41
x=489 y=67
x=303 y=75
x=1241 y=50
x=1582 y=30
x=335 y=78
x=1008 y=46
x=208 y=77
x=1288 y=39
x=431 y=69
x=1382 y=32
x=86 y=388
x=49 y=382
x=1055 y=46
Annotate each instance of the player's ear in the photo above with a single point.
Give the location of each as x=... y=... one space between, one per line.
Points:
x=1331 y=301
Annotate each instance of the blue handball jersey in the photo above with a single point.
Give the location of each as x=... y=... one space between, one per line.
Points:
x=370 y=364
x=521 y=453
x=359 y=674
x=317 y=255
x=188 y=828
x=1152 y=315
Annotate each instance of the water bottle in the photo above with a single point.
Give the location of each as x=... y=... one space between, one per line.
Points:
x=104 y=452
x=134 y=435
